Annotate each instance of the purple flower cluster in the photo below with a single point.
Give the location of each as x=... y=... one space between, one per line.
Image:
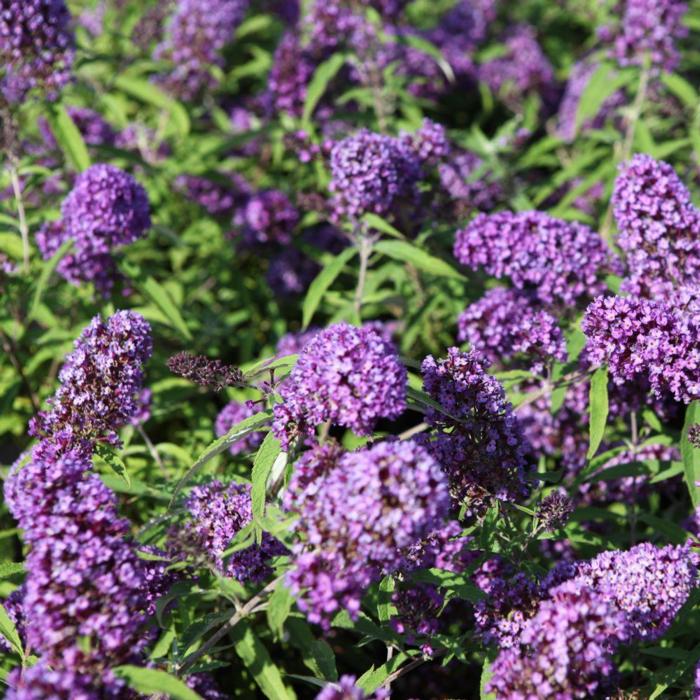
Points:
x=219 y=197
x=106 y=209
x=197 y=33
x=504 y=324
x=659 y=227
x=649 y=30
x=558 y=262
x=101 y=382
x=373 y=173
x=465 y=179
x=361 y=514
x=648 y=584
x=268 y=217
x=429 y=143
x=36 y=47
x=231 y=414
x=346 y=375
x=291 y=71
x=92 y=127
x=345 y=689
x=554 y=510
x=477 y=438
x=216 y=512
x=564 y=651
x=643 y=339
x=522 y=69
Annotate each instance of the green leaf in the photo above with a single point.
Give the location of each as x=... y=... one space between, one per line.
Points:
x=113 y=461
x=236 y=433
x=598 y=409
x=268 y=452
x=319 y=82
x=385 y=608
x=10 y=568
x=151 y=681
x=68 y=137
x=317 y=654
x=605 y=81
x=278 y=608
x=257 y=660
x=149 y=93
x=9 y=631
x=486 y=675
x=160 y=297
x=43 y=281
x=376 y=222
x=322 y=282
x=690 y=454
x=371 y=679
x=408 y=253
x=681 y=88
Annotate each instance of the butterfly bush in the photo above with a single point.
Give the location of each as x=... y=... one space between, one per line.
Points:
x=36 y=47
x=231 y=414
x=345 y=375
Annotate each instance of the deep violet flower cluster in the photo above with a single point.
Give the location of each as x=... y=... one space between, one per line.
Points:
x=557 y=262
x=373 y=173
x=345 y=689
x=92 y=127
x=466 y=179
x=476 y=436
x=100 y=382
x=197 y=33
x=219 y=196
x=216 y=512
x=564 y=651
x=346 y=375
x=231 y=414
x=268 y=217
x=106 y=209
x=554 y=510
x=291 y=71
x=36 y=47
x=523 y=68
x=659 y=227
x=429 y=143
x=504 y=324
x=364 y=511
x=649 y=31
x=643 y=339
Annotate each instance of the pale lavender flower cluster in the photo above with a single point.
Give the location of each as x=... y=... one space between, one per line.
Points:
x=477 y=437
x=364 y=511
x=105 y=210
x=644 y=339
x=649 y=31
x=345 y=689
x=100 y=382
x=564 y=651
x=216 y=512
x=231 y=414
x=648 y=584
x=373 y=173
x=659 y=227
x=558 y=262
x=504 y=324
x=522 y=69
x=349 y=376
x=36 y=47
x=197 y=33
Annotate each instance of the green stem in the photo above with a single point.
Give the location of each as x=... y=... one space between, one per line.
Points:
x=23 y=228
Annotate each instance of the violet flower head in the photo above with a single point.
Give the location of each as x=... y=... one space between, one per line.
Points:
x=197 y=33
x=105 y=209
x=643 y=339
x=369 y=507
x=522 y=69
x=466 y=179
x=345 y=689
x=231 y=414
x=373 y=173
x=100 y=382
x=349 y=376
x=36 y=47
x=430 y=142
x=39 y=682
x=557 y=262
x=290 y=74
x=216 y=513
x=476 y=437
x=554 y=510
x=218 y=196
x=268 y=217
x=648 y=584
x=205 y=371
x=649 y=31
x=91 y=125
x=659 y=227
x=504 y=324
x=564 y=651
